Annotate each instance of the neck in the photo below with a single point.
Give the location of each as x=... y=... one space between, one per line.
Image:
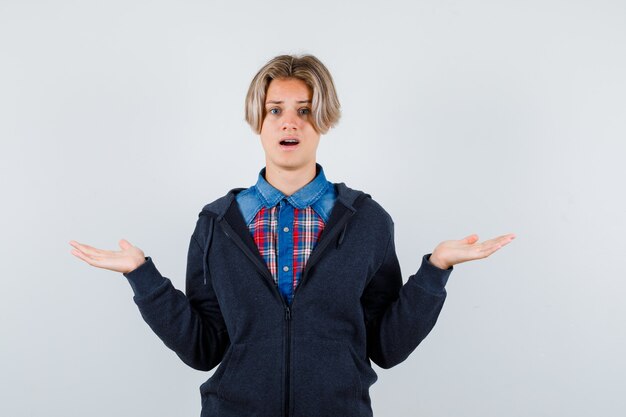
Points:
x=289 y=181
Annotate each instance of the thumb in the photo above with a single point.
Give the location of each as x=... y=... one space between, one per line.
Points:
x=471 y=239
x=125 y=244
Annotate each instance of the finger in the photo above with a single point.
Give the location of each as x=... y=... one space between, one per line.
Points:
x=490 y=246
x=125 y=244
x=91 y=251
x=82 y=256
x=497 y=240
x=487 y=250
x=471 y=239
x=97 y=262
x=503 y=240
x=83 y=247
x=508 y=237
x=80 y=250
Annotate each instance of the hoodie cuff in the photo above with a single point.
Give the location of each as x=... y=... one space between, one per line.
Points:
x=432 y=277
x=145 y=278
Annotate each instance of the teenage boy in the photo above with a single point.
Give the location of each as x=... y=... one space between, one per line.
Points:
x=293 y=284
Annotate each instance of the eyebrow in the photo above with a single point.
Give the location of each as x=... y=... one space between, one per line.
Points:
x=281 y=102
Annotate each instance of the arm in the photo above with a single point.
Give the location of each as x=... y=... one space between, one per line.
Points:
x=192 y=325
x=398 y=317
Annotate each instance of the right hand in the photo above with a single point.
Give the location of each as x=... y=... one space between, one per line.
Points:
x=124 y=261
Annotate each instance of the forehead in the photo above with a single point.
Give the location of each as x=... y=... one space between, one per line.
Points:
x=283 y=89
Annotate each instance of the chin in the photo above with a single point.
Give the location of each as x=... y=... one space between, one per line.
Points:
x=289 y=165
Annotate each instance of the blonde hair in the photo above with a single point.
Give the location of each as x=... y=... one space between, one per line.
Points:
x=325 y=110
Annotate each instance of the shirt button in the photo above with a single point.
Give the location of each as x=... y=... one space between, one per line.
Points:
x=285 y=268
x=286 y=229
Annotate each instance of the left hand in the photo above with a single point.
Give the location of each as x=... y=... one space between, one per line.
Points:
x=452 y=252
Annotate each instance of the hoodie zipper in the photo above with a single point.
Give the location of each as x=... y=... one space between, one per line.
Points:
x=288 y=311
x=288 y=360
x=235 y=238
x=289 y=307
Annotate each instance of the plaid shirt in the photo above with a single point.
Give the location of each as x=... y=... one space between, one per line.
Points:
x=286 y=228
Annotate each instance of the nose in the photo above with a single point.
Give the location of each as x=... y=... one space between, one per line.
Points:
x=290 y=120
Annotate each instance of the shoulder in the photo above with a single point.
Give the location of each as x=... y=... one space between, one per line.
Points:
x=218 y=207
x=366 y=205
x=211 y=212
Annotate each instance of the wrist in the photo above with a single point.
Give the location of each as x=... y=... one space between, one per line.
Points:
x=138 y=263
x=433 y=259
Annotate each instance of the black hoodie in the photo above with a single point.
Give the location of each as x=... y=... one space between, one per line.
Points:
x=309 y=358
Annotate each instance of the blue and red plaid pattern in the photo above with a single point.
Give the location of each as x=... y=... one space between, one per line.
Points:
x=263 y=230
x=307 y=228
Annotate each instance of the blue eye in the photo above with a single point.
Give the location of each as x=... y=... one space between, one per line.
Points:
x=304 y=111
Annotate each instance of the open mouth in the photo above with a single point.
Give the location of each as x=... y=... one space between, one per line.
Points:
x=289 y=142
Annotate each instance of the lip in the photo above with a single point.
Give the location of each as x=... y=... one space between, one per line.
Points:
x=289 y=137
x=289 y=147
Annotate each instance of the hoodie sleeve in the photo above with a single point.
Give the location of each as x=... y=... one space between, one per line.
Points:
x=398 y=317
x=191 y=325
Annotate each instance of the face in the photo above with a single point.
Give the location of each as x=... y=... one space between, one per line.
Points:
x=288 y=115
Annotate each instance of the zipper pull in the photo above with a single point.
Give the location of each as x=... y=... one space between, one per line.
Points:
x=343 y=232
x=287 y=313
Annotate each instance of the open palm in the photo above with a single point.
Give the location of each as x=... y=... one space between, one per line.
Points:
x=125 y=260
x=452 y=252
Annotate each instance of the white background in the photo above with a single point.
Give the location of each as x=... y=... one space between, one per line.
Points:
x=121 y=119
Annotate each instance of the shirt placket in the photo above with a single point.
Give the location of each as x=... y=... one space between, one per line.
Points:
x=285 y=249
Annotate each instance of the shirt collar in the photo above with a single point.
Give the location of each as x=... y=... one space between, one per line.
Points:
x=304 y=197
